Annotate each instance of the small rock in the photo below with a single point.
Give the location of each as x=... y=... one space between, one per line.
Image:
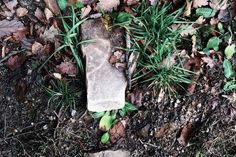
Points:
x=145 y=131
x=109 y=153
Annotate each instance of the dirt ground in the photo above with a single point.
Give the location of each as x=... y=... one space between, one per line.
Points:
x=29 y=128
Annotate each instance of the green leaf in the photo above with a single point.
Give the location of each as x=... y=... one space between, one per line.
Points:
x=62 y=4
x=230 y=51
x=228 y=69
x=213 y=43
x=205 y=12
x=97 y=115
x=230 y=85
x=106 y=121
x=221 y=28
x=105 y=138
x=130 y=107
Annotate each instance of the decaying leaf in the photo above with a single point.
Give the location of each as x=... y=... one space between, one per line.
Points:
x=188 y=8
x=218 y=4
x=14 y=62
x=39 y=14
x=185 y=134
x=67 y=68
x=21 y=12
x=50 y=34
x=52 y=5
x=11 y=5
x=9 y=27
x=209 y=61
x=153 y=2
x=199 y=3
x=37 y=48
x=117 y=131
x=107 y=5
x=85 y=11
x=233 y=113
x=131 y=2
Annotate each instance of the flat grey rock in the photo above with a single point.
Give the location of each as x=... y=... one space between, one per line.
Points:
x=109 y=153
x=105 y=84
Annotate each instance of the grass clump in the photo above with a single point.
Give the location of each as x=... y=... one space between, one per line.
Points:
x=152 y=36
x=60 y=94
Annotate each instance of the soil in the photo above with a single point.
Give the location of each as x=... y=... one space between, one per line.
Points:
x=30 y=128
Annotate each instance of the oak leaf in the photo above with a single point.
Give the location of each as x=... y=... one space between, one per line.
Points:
x=9 y=27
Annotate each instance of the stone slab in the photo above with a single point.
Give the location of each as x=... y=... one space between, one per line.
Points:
x=105 y=84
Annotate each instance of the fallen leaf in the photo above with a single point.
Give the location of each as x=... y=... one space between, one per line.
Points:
x=40 y=15
x=85 y=11
x=233 y=113
x=21 y=90
x=188 y=8
x=117 y=131
x=209 y=61
x=67 y=68
x=153 y=2
x=52 y=5
x=199 y=3
x=131 y=2
x=200 y=20
x=11 y=5
x=191 y=87
x=48 y=13
x=50 y=34
x=19 y=35
x=185 y=134
x=37 y=48
x=107 y=5
x=224 y=15
x=218 y=4
x=14 y=62
x=9 y=27
x=20 y=12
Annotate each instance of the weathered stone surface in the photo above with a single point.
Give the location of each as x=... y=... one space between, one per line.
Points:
x=105 y=84
x=108 y=153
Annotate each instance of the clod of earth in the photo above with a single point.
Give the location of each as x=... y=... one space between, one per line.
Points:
x=105 y=84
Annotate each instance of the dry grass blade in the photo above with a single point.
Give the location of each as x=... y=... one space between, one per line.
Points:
x=9 y=27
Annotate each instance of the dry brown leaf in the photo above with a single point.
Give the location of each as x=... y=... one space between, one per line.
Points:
x=52 y=5
x=67 y=68
x=14 y=62
x=199 y=3
x=11 y=4
x=19 y=35
x=107 y=5
x=185 y=134
x=209 y=61
x=233 y=113
x=21 y=12
x=188 y=8
x=37 y=48
x=50 y=34
x=117 y=131
x=85 y=11
x=200 y=20
x=39 y=14
x=131 y=2
x=218 y=4
x=48 y=13
x=9 y=27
